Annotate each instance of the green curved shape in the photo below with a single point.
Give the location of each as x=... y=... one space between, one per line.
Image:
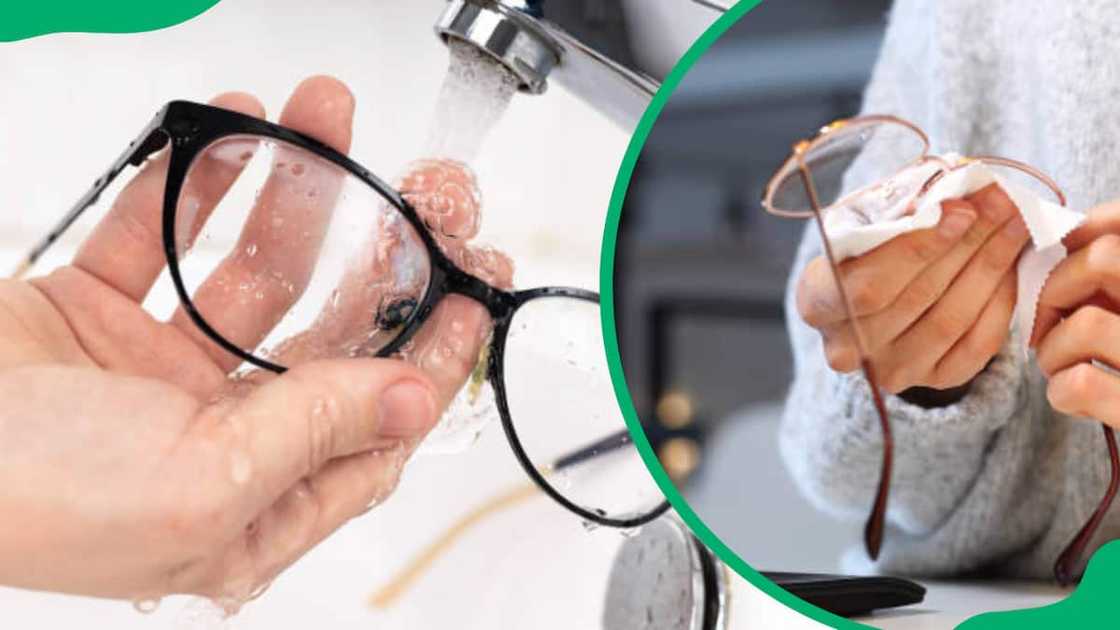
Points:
x=21 y=19
x=1087 y=607
x=1092 y=605
x=614 y=360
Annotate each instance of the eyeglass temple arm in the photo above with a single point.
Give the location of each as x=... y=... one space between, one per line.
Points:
x=1065 y=567
x=387 y=595
x=150 y=140
x=876 y=522
x=608 y=444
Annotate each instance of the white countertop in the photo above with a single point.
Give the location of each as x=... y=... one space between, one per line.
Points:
x=949 y=603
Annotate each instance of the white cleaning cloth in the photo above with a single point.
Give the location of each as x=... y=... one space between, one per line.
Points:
x=872 y=218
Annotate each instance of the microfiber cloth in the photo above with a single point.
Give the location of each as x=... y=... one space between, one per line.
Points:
x=864 y=221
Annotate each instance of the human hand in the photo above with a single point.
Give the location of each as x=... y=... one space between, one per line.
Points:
x=934 y=306
x=1078 y=321
x=135 y=467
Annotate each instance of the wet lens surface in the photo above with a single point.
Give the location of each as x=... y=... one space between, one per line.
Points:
x=298 y=260
x=563 y=407
x=848 y=158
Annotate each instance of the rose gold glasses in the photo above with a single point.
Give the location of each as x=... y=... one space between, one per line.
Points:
x=864 y=155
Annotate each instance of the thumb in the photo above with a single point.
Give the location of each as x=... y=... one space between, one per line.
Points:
x=293 y=425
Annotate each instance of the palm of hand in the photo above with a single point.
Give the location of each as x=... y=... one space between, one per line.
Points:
x=162 y=481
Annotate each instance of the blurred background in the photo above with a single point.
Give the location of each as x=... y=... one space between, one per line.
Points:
x=701 y=269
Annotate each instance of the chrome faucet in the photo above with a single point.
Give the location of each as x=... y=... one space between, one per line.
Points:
x=518 y=35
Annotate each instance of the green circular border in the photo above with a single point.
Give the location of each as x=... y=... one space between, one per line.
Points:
x=1090 y=605
x=614 y=360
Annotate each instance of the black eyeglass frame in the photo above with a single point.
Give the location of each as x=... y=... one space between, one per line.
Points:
x=191 y=127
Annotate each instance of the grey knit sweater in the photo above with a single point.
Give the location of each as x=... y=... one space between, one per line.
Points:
x=998 y=482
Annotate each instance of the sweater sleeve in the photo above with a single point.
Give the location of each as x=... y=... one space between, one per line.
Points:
x=998 y=482
x=830 y=436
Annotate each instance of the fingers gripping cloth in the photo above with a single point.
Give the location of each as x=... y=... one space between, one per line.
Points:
x=866 y=219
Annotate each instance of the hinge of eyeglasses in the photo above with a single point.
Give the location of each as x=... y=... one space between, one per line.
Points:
x=155 y=141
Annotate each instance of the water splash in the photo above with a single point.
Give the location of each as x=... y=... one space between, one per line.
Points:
x=203 y=614
x=475 y=95
x=461 y=425
x=146 y=606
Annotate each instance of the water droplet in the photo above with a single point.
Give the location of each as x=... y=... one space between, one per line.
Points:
x=251 y=250
x=241 y=468
x=258 y=591
x=631 y=532
x=319 y=409
x=561 y=480
x=202 y=614
x=146 y=606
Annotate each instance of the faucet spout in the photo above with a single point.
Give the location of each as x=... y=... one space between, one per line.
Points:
x=620 y=92
x=516 y=34
x=506 y=32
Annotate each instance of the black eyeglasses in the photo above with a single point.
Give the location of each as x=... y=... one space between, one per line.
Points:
x=320 y=231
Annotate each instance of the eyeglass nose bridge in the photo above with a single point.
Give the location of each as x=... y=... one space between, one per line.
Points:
x=451 y=280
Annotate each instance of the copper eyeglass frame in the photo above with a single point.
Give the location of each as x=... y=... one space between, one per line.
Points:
x=1067 y=562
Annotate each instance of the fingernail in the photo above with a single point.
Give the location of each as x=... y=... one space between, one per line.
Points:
x=1017 y=228
x=406 y=409
x=993 y=203
x=956 y=223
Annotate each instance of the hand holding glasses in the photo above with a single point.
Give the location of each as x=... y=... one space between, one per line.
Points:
x=865 y=155
x=328 y=261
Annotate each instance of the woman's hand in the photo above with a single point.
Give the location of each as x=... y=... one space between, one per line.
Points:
x=134 y=467
x=1078 y=321
x=934 y=306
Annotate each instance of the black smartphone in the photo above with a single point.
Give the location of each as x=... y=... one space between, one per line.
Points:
x=847 y=595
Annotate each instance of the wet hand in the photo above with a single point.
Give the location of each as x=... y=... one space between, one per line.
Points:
x=139 y=468
x=934 y=306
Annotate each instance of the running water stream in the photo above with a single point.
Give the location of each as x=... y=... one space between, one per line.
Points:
x=475 y=95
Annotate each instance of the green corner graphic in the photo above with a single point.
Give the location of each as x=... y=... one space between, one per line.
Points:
x=21 y=19
x=1090 y=606
x=1087 y=607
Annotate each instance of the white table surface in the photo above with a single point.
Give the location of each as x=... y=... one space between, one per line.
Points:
x=948 y=603
x=773 y=527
